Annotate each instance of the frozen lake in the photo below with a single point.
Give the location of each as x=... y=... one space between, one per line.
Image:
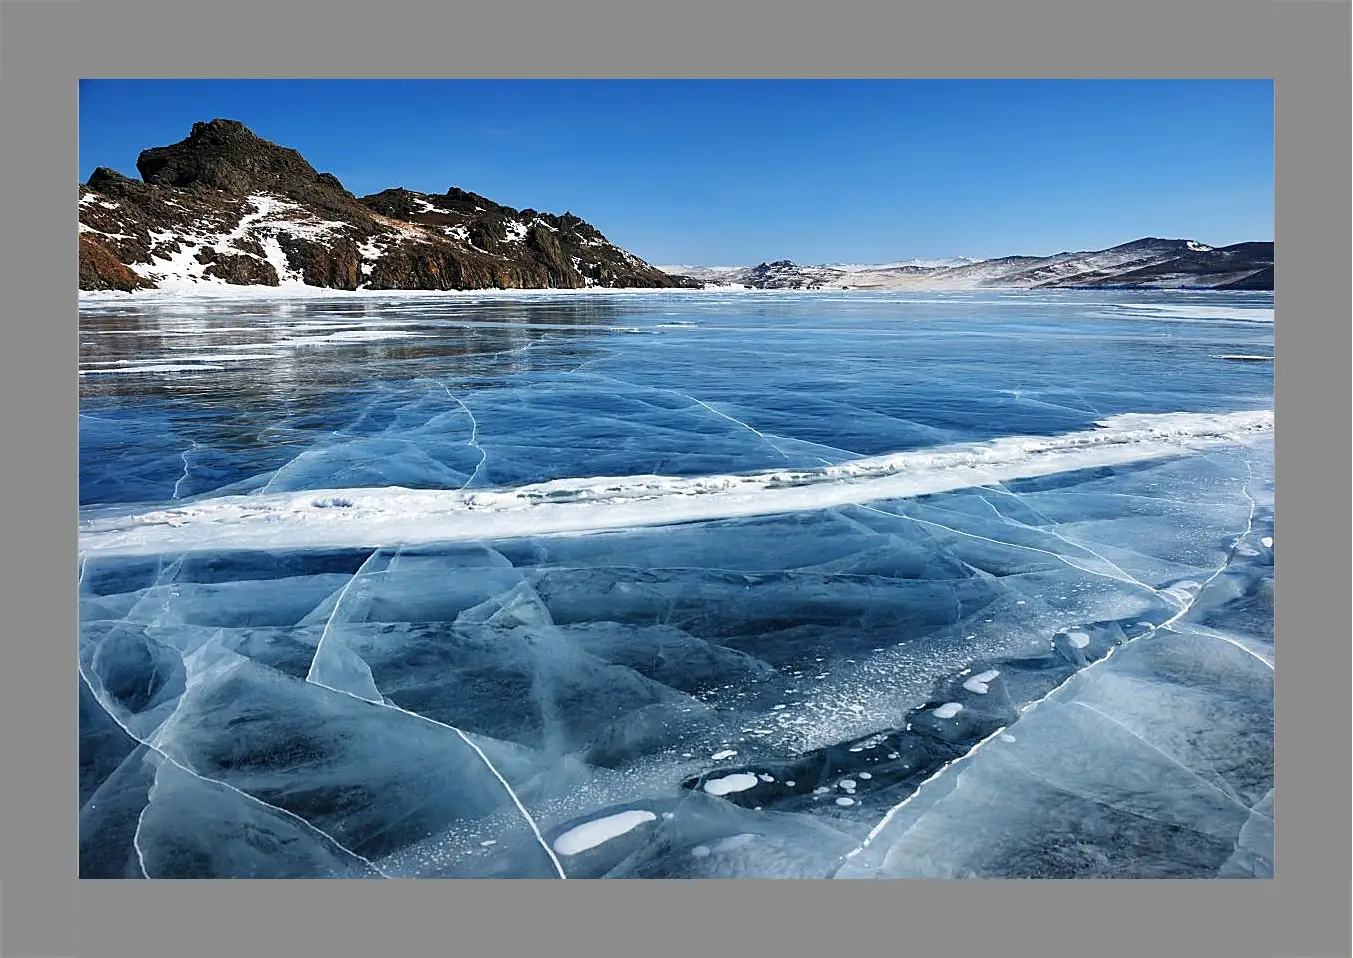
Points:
x=693 y=584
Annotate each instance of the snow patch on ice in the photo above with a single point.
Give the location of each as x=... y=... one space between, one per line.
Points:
x=152 y=368
x=1250 y=314
x=980 y=684
x=737 y=782
x=589 y=835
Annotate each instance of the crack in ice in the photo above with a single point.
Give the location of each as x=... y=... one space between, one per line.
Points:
x=1219 y=788
x=516 y=800
x=1051 y=530
x=1012 y=545
x=348 y=431
x=1211 y=634
x=338 y=603
x=184 y=456
x=474 y=436
x=676 y=392
x=1079 y=674
x=136 y=835
x=226 y=785
x=760 y=435
x=530 y=821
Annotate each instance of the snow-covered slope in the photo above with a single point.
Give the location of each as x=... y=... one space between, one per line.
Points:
x=1159 y=263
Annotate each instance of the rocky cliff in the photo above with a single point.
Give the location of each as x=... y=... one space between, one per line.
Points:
x=227 y=206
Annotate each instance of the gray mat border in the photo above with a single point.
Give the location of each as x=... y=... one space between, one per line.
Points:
x=46 y=45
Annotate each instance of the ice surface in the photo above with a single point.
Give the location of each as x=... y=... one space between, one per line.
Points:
x=1167 y=745
x=1144 y=752
x=849 y=568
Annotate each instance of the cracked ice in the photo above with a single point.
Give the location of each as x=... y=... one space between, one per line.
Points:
x=495 y=587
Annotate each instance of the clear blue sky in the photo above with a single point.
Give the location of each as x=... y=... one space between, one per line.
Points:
x=714 y=172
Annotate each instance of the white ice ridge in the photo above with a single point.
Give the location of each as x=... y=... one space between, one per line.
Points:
x=370 y=517
x=1254 y=314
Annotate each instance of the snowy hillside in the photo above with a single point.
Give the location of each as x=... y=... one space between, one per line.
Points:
x=226 y=207
x=1156 y=263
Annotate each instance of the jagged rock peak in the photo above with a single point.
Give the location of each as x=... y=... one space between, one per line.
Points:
x=226 y=155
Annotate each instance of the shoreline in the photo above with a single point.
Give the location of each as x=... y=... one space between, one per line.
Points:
x=227 y=293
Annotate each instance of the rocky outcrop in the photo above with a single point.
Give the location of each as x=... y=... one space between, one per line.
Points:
x=101 y=269
x=227 y=206
x=335 y=264
x=226 y=155
x=782 y=274
x=238 y=269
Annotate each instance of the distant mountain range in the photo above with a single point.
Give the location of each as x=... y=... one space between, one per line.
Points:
x=1153 y=263
x=227 y=207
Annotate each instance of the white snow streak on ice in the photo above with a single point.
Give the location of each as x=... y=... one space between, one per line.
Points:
x=382 y=515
